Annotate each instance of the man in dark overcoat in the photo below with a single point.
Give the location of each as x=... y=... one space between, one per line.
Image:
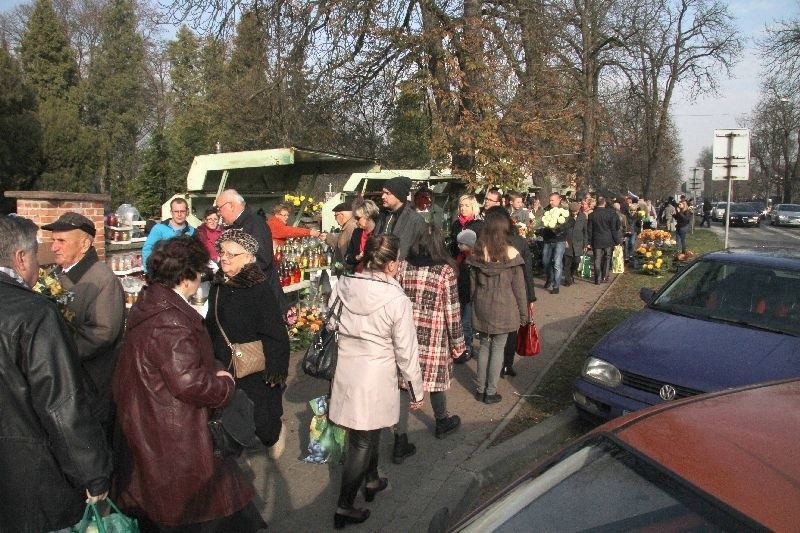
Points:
x=604 y=233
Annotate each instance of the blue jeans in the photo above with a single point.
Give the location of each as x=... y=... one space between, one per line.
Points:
x=466 y=325
x=680 y=236
x=553 y=260
x=628 y=244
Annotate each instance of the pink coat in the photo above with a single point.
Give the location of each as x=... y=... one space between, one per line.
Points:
x=437 y=317
x=377 y=340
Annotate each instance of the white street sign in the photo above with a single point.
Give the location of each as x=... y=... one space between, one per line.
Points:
x=731 y=155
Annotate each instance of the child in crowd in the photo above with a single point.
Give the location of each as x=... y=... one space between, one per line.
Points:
x=466 y=243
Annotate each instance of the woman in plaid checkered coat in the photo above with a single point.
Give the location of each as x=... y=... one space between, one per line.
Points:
x=428 y=275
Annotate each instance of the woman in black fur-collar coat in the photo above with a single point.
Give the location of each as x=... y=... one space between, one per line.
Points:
x=244 y=305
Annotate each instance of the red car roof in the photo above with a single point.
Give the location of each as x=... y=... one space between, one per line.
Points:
x=742 y=447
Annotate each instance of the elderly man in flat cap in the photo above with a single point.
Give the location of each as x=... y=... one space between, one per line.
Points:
x=339 y=240
x=399 y=218
x=99 y=304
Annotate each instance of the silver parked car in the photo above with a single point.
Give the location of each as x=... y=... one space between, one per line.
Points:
x=785 y=215
x=718 y=211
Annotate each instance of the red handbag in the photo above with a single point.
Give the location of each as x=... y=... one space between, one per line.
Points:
x=528 y=340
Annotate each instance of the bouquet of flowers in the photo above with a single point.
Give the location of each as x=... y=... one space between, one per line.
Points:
x=305 y=204
x=303 y=322
x=554 y=217
x=49 y=285
x=654 y=261
x=659 y=236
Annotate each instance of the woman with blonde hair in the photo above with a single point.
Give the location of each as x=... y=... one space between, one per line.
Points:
x=366 y=214
x=377 y=342
x=469 y=217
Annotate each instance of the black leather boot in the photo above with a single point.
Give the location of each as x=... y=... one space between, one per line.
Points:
x=446 y=425
x=402 y=448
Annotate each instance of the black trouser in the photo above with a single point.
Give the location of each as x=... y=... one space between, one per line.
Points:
x=510 y=349
x=361 y=463
x=569 y=268
x=602 y=262
x=438 y=402
x=267 y=406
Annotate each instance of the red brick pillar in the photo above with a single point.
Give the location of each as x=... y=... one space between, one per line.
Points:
x=44 y=207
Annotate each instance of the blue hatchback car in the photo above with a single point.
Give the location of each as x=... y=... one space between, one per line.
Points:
x=740 y=306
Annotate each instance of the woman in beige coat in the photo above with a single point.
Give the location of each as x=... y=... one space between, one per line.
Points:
x=376 y=339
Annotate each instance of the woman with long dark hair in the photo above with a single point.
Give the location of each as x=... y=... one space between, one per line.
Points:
x=497 y=282
x=428 y=276
x=376 y=341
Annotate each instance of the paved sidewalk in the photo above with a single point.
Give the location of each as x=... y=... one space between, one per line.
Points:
x=299 y=496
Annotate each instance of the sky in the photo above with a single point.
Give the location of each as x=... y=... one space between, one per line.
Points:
x=697 y=120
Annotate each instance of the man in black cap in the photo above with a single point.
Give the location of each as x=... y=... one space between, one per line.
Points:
x=99 y=304
x=396 y=218
x=339 y=240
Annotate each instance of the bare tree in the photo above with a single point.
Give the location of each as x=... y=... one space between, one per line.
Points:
x=774 y=148
x=781 y=50
x=677 y=42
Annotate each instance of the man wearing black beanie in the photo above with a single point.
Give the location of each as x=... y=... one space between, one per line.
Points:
x=396 y=219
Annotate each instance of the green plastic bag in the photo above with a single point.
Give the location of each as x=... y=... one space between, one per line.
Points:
x=326 y=439
x=116 y=522
x=585 y=266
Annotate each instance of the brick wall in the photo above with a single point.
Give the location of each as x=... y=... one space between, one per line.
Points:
x=44 y=207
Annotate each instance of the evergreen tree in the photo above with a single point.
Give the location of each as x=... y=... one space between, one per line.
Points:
x=116 y=97
x=410 y=134
x=187 y=133
x=152 y=187
x=248 y=98
x=68 y=162
x=21 y=137
x=46 y=55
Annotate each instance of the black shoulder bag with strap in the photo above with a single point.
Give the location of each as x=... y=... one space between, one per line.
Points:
x=320 y=358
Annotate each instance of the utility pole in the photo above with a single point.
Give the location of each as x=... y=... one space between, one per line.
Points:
x=695 y=184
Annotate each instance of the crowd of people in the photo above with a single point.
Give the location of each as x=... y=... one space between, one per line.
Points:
x=135 y=390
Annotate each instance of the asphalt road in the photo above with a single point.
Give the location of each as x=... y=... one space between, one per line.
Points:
x=764 y=235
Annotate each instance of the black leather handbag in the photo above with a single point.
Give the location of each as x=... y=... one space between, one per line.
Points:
x=320 y=358
x=232 y=427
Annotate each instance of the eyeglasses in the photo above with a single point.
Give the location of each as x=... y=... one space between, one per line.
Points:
x=223 y=254
x=489 y=200
x=223 y=205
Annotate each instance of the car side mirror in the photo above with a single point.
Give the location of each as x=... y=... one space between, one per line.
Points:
x=647 y=294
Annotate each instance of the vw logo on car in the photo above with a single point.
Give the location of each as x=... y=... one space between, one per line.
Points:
x=667 y=392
